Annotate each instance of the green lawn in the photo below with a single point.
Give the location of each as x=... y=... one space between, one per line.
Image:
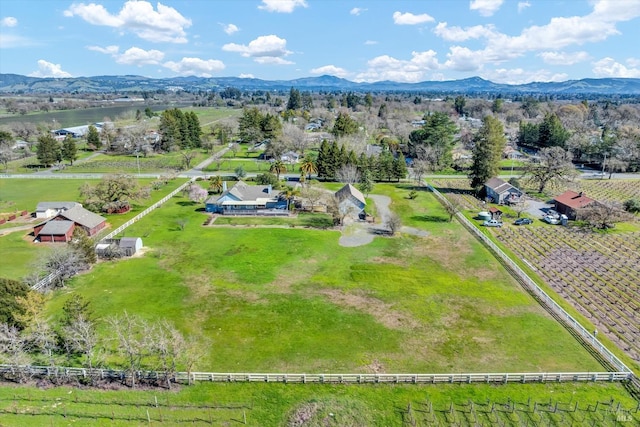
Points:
x=17 y=249
x=106 y=163
x=333 y=405
x=283 y=299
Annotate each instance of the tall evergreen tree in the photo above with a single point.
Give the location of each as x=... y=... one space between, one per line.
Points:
x=438 y=132
x=48 y=150
x=69 y=149
x=323 y=160
x=384 y=167
x=399 y=167
x=250 y=125
x=295 y=102
x=93 y=138
x=487 y=151
x=344 y=125
x=551 y=132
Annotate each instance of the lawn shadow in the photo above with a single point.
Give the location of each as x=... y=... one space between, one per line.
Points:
x=430 y=218
x=317 y=222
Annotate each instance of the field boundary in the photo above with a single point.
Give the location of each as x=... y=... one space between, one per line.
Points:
x=303 y=378
x=46 y=281
x=556 y=310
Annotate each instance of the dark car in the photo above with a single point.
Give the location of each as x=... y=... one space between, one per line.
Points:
x=523 y=221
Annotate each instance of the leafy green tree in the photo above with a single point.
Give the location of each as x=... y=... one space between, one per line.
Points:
x=528 y=134
x=267 y=178
x=308 y=167
x=344 y=125
x=216 y=184
x=368 y=100
x=10 y=309
x=74 y=308
x=497 y=105
x=69 y=149
x=48 y=150
x=438 y=133
x=149 y=112
x=271 y=126
x=93 y=138
x=240 y=172
x=366 y=182
x=551 y=132
x=84 y=246
x=6 y=139
x=112 y=190
x=250 y=125
x=278 y=167
x=489 y=145
x=307 y=101
x=384 y=167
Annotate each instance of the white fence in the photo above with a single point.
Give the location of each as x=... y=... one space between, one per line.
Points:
x=46 y=282
x=328 y=378
x=540 y=294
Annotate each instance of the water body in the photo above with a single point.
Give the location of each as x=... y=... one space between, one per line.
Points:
x=86 y=116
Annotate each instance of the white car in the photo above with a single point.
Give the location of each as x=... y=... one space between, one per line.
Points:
x=492 y=223
x=551 y=219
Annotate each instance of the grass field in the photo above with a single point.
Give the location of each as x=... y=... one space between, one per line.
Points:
x=105 y=163
x=328 y=405
x=17 y=249
x=277 y=299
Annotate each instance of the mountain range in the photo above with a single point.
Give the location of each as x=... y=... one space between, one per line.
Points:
x=14 y=83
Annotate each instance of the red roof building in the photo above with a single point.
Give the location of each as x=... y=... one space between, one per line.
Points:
x=570 y=202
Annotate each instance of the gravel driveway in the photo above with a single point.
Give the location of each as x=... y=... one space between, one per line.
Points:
x=362 y=233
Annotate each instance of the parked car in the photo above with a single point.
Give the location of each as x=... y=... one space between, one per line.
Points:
x=492 y=223
x=551 y=220
x=523 y=221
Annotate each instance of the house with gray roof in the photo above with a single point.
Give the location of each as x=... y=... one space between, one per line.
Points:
x=351 y=201
x=91 y=223
x=245 y=199
x=54 y=231
x=51 y=209
x=502 y=192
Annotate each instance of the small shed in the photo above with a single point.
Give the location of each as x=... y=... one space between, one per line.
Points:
x=495 y=213
x=130 y=245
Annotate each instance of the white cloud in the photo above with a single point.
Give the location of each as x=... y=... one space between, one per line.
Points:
x=608 y=67
x=195 y=67
x=269 y=49
x=109 y=50
x=281 y=6
x=559 y=33
x=165 y=24
x=8 y=21
x=414 y=70
x=564 y=58
x=516 y=76
x=485 y=7
x=370 y=42
x=331 y=70
x=357 y=11
x=458 y=34
x=48 y=69
x=139 y=57
x=132 y=56
x=522 y=5
x=246 y=76
x=410 y=19
x=633 y=62
x=230 y=28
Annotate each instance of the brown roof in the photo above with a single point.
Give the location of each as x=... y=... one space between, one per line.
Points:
x=494 y=210
x=573 y=200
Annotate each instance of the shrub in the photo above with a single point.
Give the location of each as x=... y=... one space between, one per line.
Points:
x=632 y=205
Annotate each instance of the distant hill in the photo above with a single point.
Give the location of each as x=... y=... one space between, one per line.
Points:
x=14 y=83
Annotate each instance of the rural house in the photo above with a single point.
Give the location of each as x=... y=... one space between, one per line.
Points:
x=244 y=199
x=502 y=192
x=569 y=202
x=50 y=209
x=352 y=201
x=76 y=216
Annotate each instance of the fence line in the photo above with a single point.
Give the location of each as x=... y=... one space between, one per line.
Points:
x=327 y=378
x=45 y=282
x=539 y=293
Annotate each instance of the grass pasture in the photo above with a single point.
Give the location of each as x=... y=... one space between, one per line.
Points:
x=293 y=300
x=106 y=163
x=17 y=249
x=333 y=405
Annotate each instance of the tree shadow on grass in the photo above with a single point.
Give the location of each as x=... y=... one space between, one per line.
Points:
x=187 y=203
x=317 y=222
x=430 y=218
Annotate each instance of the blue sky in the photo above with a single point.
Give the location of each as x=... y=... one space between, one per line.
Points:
x=505 y=41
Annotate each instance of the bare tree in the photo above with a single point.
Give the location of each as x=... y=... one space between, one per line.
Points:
x=393 y=223
x=13 y=351
x=348 y=174
x=418 y=169
x=313 y=195
x=553 y=166
x=42 y=336
x=80 y=337
x=603 y=215
x=521 y=206
x=131 y=339
x=167 y=345
x=187 y=157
